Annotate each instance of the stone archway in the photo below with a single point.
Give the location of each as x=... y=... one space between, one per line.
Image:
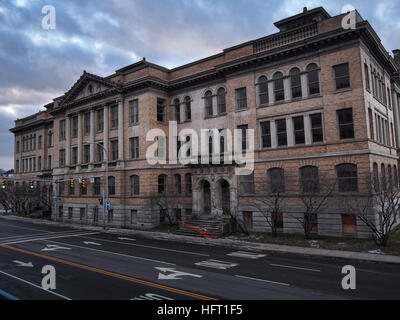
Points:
x=223 y=196
x=205 y=197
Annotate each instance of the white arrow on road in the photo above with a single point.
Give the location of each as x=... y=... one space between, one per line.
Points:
x=127 y=239
x=23 y=264
x=92 y=243
x=175 y=274
x=54 y=247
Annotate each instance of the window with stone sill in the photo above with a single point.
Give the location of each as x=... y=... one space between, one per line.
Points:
x=241 y=99
x=262 y=84
x=342 y=76
x=208 y=104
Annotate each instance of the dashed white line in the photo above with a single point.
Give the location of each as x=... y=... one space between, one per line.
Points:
x=149 y=247
x=114 y=253
x=50 y=237
x=293 y=267
x=263 y=280
x=34 y=285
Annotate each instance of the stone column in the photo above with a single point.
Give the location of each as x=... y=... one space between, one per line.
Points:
x=182 y=108
x=307 y=129
x=287 y=88
x=290 y=132
x=68 y=138
x=120 y=129
x=304 y=85
x=196 y=202
x=92 y=137
x=105 y=130
x=274 y=141
x=271 y=95
x=80 y=138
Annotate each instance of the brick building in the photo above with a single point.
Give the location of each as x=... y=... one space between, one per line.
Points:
x=323 y=101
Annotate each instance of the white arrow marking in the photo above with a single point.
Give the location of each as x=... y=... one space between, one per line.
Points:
x=92 y=243
x=127 y=239
x=54 y=247
x=175 y=275
x=23 y=264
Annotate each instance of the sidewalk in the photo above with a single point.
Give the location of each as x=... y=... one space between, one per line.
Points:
x=238 y=244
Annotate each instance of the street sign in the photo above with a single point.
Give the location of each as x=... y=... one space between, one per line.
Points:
x=57 y=198
x=108 y=205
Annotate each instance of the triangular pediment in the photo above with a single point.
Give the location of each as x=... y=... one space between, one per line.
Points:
x=88 y=85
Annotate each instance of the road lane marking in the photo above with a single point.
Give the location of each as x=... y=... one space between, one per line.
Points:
x=34 y=285
x=263 y=280
x=92 y=243
x=54 y=247
x=23 y=264
x=245 y=254
x=50 y=237
x=129 y=239
x=174 y=274
x=115 y=253
x=216 y=264
x=149 y=247
x=293 y=267
x=113 y=274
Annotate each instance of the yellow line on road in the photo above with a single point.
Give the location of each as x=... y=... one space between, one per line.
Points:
x=112 y=274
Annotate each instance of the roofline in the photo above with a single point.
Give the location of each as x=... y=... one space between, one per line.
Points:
x=304 y=13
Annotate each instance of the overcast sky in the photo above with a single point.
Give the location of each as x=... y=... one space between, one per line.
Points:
x=101 y=36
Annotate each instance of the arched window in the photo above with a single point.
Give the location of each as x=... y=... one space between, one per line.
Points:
x=396 y=177
x=263 y=90
x=162 y=184
x=210 y=144
x=309 y=179
x=221 y=100
x=375 y=174
x=208 y=103
x=390 y=177
x=177 y=110
x=178 y=184
x=90 y=89
x=346 y=174
x=278 y=86
x=383 y=177
x=111 y=186
x=135 y=187
x=313 y=79
x=188 y=108
x=188 y=183
x=295 y=83
x=276 y=178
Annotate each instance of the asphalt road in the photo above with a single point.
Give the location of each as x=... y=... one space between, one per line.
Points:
x=93 y=265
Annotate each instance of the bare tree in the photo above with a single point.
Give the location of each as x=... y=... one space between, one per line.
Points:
x=271 y=207
x=272 y=203
x=378 y=208
x=167 y=204
x=315 y=192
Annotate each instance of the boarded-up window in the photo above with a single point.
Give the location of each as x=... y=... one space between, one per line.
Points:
x=82 y=213
x=349 y=223
x=248 y=218
x=277 y=220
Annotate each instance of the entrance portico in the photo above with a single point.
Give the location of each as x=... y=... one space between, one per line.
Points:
x=215 y=190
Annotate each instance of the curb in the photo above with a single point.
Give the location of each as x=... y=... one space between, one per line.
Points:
x=239 y=244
